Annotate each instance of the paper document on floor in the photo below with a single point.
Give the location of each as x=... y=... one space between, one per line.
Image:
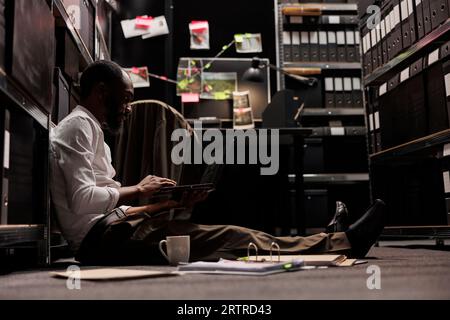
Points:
x=111 y=274
x=240 y=267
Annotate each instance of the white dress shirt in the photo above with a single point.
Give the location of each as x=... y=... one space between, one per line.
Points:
x=82 y=185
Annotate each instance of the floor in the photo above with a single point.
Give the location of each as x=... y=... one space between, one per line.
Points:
x=407 y=271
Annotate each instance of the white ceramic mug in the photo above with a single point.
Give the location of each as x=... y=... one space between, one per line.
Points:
x=178 y=249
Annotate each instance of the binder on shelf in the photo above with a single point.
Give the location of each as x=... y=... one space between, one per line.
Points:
x=391 y=42
x=357 y=93
x=304 y=46
x=339 y=92
x=379 y=44
x=416 y=67
x=323 y=46
x=419 y=18
x=388 y=38
x=373 y=143
x=412 y=22
x=5 y=137
x=357 y=46
x=340 y=41
x=426 y=16
x=406 y=37
x=384 y=50
x=393 y=82
x=332 y=46
x=378 y=143
x=287 y=46
x=329 y=93
x=439 y=12
x=397 y=38
x=367 y=57
x=350 y=45
x=445 y=50
x=295 y=47
x=314 y=45
x=374 y=50
x=348 y=99
x=306 y=20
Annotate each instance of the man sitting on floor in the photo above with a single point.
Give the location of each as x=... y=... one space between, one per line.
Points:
x=91 y=206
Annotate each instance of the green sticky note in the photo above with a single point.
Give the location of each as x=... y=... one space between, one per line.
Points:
x=183 y=84
x=287 y=266
x=220 y=95
x=238 y=37
x=248 y=35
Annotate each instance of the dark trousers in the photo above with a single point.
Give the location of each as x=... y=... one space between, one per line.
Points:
x=134 y=240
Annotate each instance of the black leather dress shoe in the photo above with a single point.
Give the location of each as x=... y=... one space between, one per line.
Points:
x=340 y=222
x=364 y=233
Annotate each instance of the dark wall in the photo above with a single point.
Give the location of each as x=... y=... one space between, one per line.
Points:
x=138 y=52
x=161 y=54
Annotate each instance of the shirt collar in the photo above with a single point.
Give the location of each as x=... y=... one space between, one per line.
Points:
x=81 y=108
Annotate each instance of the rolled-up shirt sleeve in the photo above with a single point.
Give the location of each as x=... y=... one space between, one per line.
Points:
x=75 y=156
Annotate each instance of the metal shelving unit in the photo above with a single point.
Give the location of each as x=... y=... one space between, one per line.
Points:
x=417 y=153
x=11 y=234
x=329 y=126
x=307 y=68
x=13 y=96
x=427 y=44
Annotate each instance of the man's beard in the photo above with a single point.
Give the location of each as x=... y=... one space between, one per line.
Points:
x=112 y=124
x=112 y=129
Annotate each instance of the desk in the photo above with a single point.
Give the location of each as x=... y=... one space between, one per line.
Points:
x=291 y=148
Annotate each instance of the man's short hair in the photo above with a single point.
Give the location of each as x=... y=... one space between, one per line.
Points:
x=99 y=71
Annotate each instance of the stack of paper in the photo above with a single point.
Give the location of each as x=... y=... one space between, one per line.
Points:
x=240 y=267
x=336 y=260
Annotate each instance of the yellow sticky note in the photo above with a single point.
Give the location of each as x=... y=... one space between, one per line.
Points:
x=220 y=96
x=238 y=37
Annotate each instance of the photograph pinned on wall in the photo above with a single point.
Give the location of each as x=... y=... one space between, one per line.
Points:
x=242 y=111
x=189 y=76
x=199 y=31
x=157 y=27
x=218 y=85
x=248 y=42
x=139 y=76
x=144 y=26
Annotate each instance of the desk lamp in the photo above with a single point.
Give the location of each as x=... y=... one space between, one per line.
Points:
x=254 y=73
